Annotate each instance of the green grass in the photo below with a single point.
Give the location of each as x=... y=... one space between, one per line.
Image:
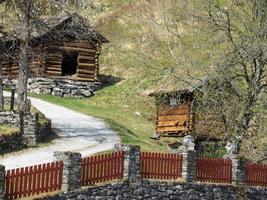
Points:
x=133 y=123
x=7 y=130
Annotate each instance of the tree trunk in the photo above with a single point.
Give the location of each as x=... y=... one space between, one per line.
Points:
x=23 y=62
x=23 y=76
x=1 y=89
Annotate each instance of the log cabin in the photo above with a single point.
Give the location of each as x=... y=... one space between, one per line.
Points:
x=62 y=46
x=178 y=114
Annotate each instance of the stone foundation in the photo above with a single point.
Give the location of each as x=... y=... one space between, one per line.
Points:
x=62 y=87
x=161 y=191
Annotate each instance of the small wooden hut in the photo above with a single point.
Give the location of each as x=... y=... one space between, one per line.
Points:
x=64 y=45
x=179 y=115
x=174 y=113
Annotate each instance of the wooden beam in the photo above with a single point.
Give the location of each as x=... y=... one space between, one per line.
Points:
x=85 y=72
x=86 y=64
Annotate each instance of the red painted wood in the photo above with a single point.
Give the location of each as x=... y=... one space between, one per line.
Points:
x=90 y=161
x=25 y=181
x=39 y=179
x=160 y=165
x=51 y=177
x=256 y=174
x=34 y=186
x=216 y=170
x=60 y=175
x=101 y=168
x=28 y=181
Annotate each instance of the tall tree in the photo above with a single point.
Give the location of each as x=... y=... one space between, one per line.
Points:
x=1 y=88
x=242 y=28
x=227 y=41
x=25 y=8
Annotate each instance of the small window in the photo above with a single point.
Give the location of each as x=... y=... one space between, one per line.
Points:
x=69 y=63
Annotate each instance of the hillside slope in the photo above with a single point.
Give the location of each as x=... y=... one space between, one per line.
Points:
x=153 y=46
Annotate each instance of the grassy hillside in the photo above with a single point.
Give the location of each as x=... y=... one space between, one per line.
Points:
x=137 y=54
x=153 y=45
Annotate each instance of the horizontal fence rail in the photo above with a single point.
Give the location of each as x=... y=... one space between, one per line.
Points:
x=101 y=168
x=33 y=180
x=217 y=170
x=256 y=174
x=161 y=165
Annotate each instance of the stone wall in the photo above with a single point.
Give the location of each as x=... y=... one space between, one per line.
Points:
x=10 y=142
x=161 y=191
x=62 y=87
x=44 y=130
x=11 y=118
x=132 y=186
x=31 y=131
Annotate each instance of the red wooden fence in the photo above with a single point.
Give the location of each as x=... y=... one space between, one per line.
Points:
x=29 y=181
x=256 y=174
x=216 y=170
x=161 y=165
x=102 y=168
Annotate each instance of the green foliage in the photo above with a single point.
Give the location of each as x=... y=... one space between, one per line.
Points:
x=212 y=149
x=7 y=130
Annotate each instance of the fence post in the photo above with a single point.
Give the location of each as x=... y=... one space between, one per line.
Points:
x=2 y=182
x=131 y=164
x=71 y=176
x=189 y=159
x=238 y=170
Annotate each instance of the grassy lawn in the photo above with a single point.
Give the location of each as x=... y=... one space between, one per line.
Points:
x=7 y=130
x=133 y=122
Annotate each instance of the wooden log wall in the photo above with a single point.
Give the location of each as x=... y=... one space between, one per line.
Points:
x=48 y=61
x=53 y=61
x=36 y=63
x=174 y=120
x=88 y=66
x=88 y=60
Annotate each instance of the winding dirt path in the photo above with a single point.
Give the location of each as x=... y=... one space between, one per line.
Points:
x=76 y=131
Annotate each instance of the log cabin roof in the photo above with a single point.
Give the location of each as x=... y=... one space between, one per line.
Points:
x=57 y=29
x=186 y=87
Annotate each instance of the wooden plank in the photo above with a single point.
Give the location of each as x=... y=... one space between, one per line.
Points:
x=60 y=174
x=85 y=71
x=53 y=62
x=7 y=183
x=171 y=129
x=43 y=172
x=34 y=186
x=56 y=178
x=175 y=111
x=81 y=45
x=86 y=65
x=93 y=68
x=90 y=58
x=54 y=66
x=90 y=175
x=53 y=73
x=25 y=182
x=30 y=181
x=53 y=69
x=47 y=177
x=72 y=49
x=173 y=118
x=16 y=183
x=171 y=123
x=12 y=184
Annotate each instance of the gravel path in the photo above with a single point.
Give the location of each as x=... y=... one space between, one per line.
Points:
x=76 y=131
